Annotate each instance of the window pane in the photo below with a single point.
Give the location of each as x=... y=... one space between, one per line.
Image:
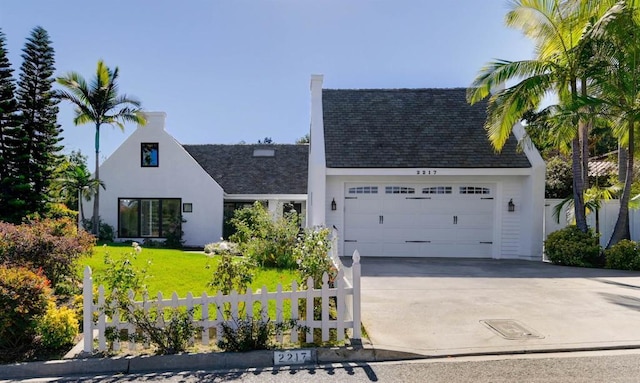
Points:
x=128 y=211
x=149 y=154
x=150 y=218
x=170 y=215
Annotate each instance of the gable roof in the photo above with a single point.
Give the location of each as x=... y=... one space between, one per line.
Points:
x=238 y=171
x=410 y=128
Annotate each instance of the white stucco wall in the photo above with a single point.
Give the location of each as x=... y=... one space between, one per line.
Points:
x=177 y=176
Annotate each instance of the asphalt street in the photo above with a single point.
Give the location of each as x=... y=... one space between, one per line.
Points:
x=611 y=367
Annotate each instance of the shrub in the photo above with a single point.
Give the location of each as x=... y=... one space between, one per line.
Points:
x=269 y=242
x=174 y=233
x=170 y=330
x=24 y=296
x=312 y=256
x=232 y=273
x=624 y=255
x=58 y=327
x=572 y=247
x=54 y=246
x=253 y=334
x=106 y=232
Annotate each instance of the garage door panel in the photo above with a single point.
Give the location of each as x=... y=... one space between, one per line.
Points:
x=413 y=225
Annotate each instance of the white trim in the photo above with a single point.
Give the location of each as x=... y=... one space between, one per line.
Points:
x=265 y=197
x=427 y=173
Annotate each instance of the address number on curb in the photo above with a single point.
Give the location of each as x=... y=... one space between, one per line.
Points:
x=291 y=357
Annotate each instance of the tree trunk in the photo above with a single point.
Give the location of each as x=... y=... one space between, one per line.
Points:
x=96 y=198
x=623 y=157
x=583 y=130
x=621 y=230
x=578 y=187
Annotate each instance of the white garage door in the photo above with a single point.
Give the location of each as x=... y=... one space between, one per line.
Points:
x=426 y=220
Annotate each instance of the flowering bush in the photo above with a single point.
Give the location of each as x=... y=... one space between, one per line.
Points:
x=232 y=273
x=58 y=327
x=54 y=246
x=24 y=297
x=222 y=247
x=312 y=256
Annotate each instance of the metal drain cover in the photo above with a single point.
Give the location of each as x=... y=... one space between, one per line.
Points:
x=511 y=329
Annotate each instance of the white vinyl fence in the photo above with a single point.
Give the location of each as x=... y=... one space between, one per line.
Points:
x=608 y=214
x=210 y=312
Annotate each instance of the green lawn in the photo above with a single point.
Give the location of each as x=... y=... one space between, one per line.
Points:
x=181 y=271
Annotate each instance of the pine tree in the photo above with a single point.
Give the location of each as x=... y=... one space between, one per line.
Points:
x=37 y=145
x=8 y=125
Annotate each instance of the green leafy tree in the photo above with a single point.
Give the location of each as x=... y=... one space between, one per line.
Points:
x=37 y=139
x=562 y=33
x=99 y=103
x=8 y=123
x=617 y=86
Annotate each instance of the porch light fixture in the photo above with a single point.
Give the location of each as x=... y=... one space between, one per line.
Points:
x=334 y=206
x=511 y=206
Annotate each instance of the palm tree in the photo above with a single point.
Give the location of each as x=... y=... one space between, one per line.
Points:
x=557 y=28
x=617 y=90
x=99 y=103
x=78 y=180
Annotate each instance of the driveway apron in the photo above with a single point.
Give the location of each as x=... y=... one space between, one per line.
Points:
x=437 y=306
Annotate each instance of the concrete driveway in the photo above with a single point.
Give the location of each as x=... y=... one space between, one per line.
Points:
x=437 y=307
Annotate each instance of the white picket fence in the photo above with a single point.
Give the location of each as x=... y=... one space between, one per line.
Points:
x=227 y=309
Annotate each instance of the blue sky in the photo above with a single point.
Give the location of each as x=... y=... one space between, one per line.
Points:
x=231 y=71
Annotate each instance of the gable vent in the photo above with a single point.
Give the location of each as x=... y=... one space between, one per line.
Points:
x=264 y=152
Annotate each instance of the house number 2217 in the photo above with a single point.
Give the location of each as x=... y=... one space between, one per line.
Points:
x=426 y=172
x=288 y=357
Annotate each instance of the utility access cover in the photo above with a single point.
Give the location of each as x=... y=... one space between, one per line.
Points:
x=511 y=329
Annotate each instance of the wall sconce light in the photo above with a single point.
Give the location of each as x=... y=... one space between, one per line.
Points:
x=511 y=206
x=333 y=205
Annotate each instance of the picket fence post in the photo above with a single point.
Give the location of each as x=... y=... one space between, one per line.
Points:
x=357 y=334
x=87 y=311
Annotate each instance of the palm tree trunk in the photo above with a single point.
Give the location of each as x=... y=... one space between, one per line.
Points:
x=96 y=198
x=623 y=157
x=578 y=187
x=621 y=230
x=583 y=128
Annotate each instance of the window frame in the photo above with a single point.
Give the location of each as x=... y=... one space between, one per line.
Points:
x=161 y=224
x=154 y=146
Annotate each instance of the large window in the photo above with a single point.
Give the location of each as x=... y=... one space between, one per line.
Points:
x=149 y=154
x=147 y=217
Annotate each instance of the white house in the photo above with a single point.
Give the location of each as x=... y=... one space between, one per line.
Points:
x=151 y=179
x=410 y=172
x=397 y=172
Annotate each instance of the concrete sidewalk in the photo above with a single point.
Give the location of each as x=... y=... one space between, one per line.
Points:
x=439 y=307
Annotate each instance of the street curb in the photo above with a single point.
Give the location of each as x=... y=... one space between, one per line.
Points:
x=183 y=362
x=233 y=360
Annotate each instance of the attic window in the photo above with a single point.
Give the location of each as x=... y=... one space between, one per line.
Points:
x=149 y=154
x=264 y=152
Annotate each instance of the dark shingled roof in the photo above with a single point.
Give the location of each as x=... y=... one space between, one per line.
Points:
x=410 y=128
x=238 y=172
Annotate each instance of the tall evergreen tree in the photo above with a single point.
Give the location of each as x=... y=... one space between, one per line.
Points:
x=37 y=142
x=7 y=125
